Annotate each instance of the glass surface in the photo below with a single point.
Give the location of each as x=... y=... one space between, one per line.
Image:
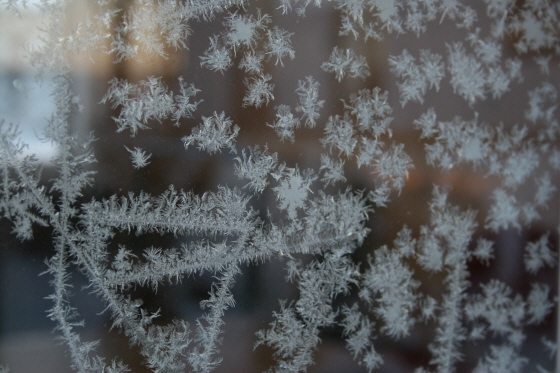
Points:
x=294 y=185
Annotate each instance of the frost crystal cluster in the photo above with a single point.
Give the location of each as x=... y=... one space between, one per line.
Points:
x=387 y=155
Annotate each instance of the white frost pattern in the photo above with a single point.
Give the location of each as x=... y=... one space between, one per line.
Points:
x=326 y=226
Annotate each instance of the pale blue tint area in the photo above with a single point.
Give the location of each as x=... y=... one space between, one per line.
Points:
x=27 y=103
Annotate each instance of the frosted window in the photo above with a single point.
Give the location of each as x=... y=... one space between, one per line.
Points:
x=284 y=186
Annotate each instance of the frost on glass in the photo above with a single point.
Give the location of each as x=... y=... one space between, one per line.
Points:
x=390 y=196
